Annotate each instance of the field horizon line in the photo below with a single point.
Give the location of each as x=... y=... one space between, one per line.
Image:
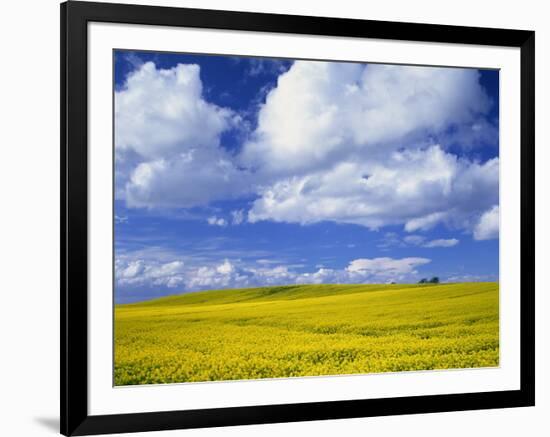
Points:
x=291 y=286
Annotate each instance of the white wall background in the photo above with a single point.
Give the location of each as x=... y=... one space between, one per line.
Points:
x=29 y=217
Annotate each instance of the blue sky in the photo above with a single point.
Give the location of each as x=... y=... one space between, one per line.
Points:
x=238 y=172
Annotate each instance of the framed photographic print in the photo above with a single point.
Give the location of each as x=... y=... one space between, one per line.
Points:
x=271 y=218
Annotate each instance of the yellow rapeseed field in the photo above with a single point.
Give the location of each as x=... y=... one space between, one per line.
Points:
x=306 y=330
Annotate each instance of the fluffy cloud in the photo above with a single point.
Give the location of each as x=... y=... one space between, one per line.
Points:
x=488 y=226
x=216 y=221
x=140 y=273
x=223 y=275
x=321 y=112
x=237 y=217
x=175 y=274
x=414 y=188
x=341 y=142
x=167 y=140
x=162 y=112
x=193 y=178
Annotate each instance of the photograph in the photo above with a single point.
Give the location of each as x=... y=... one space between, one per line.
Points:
x=282 y=218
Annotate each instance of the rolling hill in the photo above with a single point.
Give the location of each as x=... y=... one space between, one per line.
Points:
x=306 y=330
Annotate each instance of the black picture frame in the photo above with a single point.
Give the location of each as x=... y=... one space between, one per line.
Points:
x=75 y=16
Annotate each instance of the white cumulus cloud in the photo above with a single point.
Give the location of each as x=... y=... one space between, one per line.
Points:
x=140 y=272
x=323 y=111
x=488 y=226
x=414 y=188
x=167 y=139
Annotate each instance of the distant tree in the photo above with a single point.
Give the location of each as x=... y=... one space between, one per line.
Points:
x=423 y=281
x=434 y=280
